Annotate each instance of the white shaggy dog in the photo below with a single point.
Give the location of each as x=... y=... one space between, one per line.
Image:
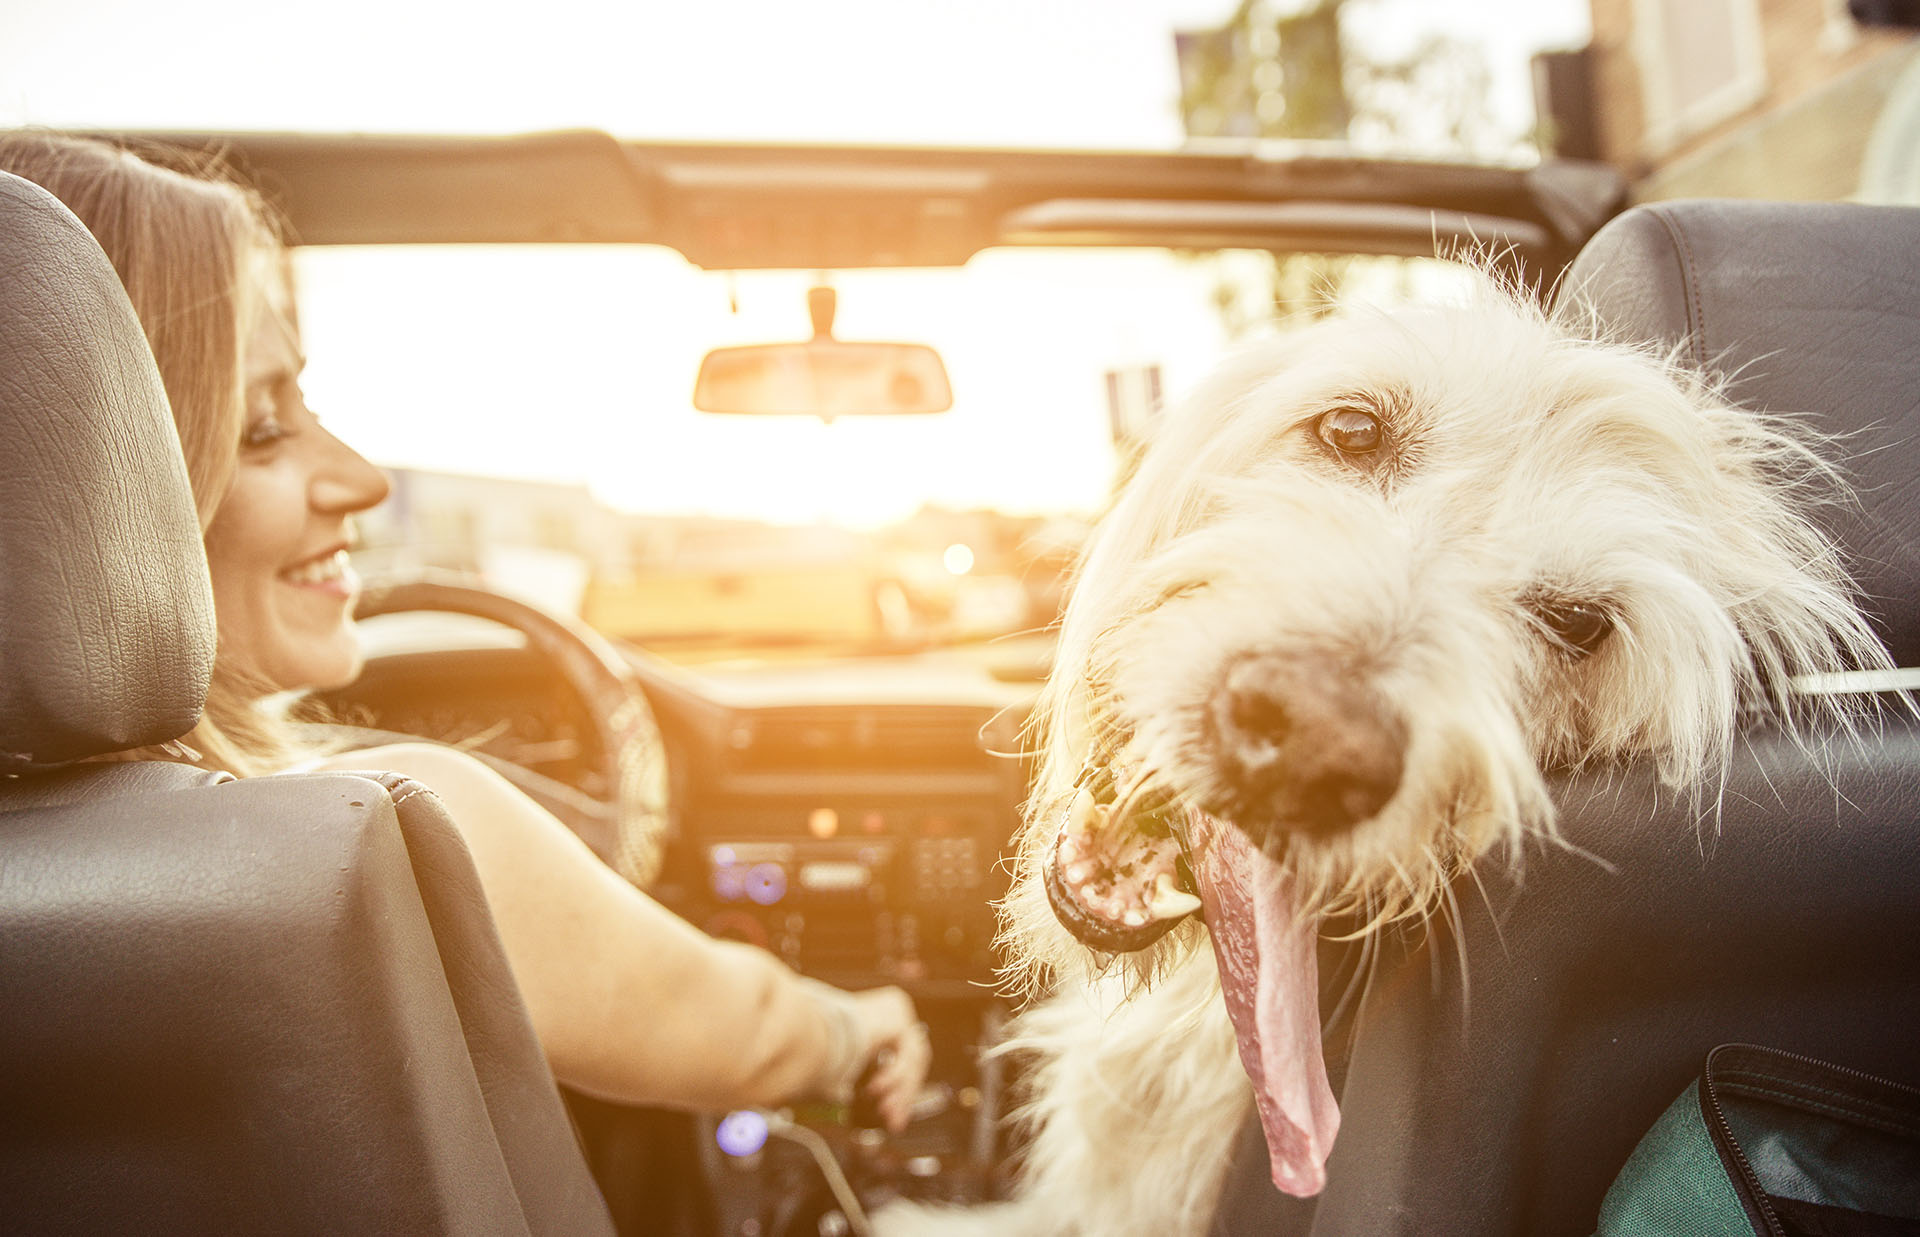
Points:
x=1373 y=579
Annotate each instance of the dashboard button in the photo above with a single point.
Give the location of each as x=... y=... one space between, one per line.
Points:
x=766 y=883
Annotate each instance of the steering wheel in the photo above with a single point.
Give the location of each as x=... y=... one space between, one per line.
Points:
x=629 y=828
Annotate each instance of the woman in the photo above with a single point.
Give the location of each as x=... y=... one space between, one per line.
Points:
x=630 y=1002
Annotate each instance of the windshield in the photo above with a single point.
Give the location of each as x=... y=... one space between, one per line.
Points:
x=534 y=406
x=534 y=403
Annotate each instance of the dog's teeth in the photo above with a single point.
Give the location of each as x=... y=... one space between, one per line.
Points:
x=1079 y=872
x=1174 y=906
x=1069 y=849
x=1134 y=918
x=1080 y=815
x=1170 y=902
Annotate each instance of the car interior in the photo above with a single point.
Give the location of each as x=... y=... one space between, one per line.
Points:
x=373 y=1070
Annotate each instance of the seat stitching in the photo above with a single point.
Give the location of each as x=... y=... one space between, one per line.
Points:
x=1695 y=308
x=413 y=788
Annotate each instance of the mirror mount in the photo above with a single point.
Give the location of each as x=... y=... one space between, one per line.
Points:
x=822 y=301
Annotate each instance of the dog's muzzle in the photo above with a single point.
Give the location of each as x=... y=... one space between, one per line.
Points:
x=1302 y=750
x=1300 y=746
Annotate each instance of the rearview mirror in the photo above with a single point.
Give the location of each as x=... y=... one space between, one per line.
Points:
x=825 y=378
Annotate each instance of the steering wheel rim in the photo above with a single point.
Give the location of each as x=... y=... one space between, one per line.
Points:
x=632 y=753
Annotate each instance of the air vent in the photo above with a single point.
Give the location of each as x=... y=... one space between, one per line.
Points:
x=868 y=738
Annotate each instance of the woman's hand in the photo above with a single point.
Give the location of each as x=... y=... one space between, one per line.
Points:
x=897 y=1055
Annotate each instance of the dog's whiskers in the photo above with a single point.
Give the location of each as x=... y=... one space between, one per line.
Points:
x=1354 y=991
x=1130 y=795
x=1455 y=926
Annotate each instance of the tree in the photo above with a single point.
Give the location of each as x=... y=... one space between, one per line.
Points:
x=1302 y=76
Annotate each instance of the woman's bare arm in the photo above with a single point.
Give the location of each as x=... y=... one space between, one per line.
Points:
x=632 y=1003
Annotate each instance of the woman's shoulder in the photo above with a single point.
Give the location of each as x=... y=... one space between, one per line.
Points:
x=434 y=765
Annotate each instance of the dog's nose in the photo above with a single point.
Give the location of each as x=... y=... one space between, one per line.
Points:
x=1305 y=744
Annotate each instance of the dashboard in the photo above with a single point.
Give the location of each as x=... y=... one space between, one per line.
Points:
x=862 y=841
x=852 y=817
x=858 y=842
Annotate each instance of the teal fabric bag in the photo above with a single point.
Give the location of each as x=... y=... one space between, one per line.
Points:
x=1777 y=1145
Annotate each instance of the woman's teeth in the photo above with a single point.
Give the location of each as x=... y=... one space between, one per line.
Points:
x=318 y=571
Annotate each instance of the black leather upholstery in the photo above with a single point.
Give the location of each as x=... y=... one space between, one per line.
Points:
x=273 y=1005
x=106 y=618
x=267 y=1006
x=1499 y=1075
x=1506 y=1104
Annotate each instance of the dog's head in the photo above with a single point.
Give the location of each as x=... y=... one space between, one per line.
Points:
x=1369 y=583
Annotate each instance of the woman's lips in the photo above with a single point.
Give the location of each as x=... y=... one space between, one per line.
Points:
x=329 y=573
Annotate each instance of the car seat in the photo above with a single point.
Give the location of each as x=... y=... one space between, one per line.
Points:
x=1497 y=1076
x=276 y=1005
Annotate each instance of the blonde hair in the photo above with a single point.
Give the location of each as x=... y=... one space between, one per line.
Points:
x=185 y=237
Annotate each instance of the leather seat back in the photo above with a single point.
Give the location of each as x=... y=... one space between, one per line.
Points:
x=106 y=616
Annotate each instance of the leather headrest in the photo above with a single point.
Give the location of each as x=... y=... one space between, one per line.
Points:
x=106 y=616
x=1809 y=308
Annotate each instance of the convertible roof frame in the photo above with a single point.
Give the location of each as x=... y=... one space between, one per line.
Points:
x=728 y=206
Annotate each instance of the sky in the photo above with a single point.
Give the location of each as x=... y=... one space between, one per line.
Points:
x=1025 y=72
x=1049 y=73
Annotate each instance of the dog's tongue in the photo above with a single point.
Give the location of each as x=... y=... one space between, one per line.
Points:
x=1271 y=976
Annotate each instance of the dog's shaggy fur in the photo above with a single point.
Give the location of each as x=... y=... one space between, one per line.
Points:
x=1420 y=598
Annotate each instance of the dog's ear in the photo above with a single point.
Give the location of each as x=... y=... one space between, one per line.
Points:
x=1784 y=578
x=1726 y=590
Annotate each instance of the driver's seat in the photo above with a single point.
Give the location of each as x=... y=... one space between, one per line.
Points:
x=274 y=1005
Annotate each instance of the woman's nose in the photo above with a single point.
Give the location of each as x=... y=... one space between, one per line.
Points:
x=346 y=482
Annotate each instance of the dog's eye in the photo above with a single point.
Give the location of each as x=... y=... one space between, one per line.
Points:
x=1351 y=431
x=1579 y=627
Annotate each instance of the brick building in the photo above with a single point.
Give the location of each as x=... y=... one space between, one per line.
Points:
x=1755 y=98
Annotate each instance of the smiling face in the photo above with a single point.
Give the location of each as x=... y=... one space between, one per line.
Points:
x=277 y=545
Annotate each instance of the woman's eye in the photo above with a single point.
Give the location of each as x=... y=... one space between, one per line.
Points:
x=1351 y=431
x=262 y=431
x=275 y=411
x=1578 y=627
